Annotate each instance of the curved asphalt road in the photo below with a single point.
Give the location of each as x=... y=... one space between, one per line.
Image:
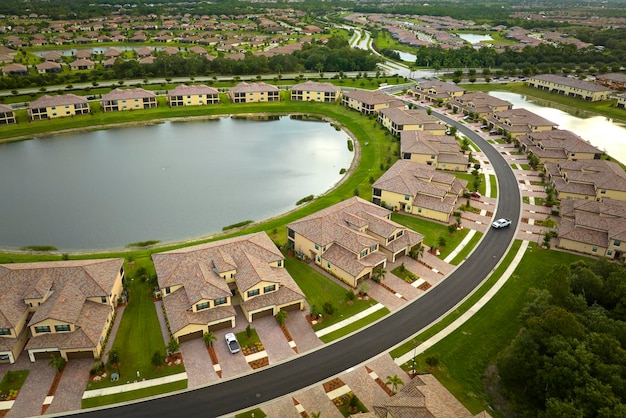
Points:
x=290 y=376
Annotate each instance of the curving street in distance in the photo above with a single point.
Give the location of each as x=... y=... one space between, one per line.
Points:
x=313 y=367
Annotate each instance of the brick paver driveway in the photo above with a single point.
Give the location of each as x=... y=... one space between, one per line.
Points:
x=69 y=393
x=198 y=363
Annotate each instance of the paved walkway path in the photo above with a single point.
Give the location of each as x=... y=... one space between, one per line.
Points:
x=134 y=386
x=350 y=320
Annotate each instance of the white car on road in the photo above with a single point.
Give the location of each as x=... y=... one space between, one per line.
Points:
x=501 y=223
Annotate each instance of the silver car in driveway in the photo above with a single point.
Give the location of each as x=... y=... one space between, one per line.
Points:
x=231 y=341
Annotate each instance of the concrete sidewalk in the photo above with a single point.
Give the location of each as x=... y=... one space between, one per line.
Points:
x=134 y=386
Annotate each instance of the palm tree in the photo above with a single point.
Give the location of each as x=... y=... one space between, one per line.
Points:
x=394 y=381
x=281 y=317
x=378 y=274
x=209 y=338
x=316 y=414
x=417 y=251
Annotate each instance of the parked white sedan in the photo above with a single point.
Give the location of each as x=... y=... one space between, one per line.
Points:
x=501 y=223
x=231 y=341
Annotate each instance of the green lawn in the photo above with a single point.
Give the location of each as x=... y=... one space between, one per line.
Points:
x=134 y=394
x=319 y=290
x=356 y=325
x=245 y=341
x=432 y=231
x=462 y=255
x=138 y=337
x=13 y=380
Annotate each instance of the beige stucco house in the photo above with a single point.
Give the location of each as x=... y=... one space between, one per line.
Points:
x=519 y=122
x=368 y=102
x=571 y=87
x=418 y=189
x=128 y=99
x=313 y=91
x=400 y=119
x=436 y=91
x=621 y=101
x=196 y=95
x=593 y=227
x=479 y=104
x=586 y=179
x=614 y=81
x=51 y=107
x=253 y=93
x=439 y=151
x=558 y=144
x=7 y=115
x=202 y=284
x=351 y=239
x=82 y=64
x=62 y=308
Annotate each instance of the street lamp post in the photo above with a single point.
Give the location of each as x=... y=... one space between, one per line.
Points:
x=413 y=367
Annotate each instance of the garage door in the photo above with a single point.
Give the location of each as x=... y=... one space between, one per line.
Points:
x=293 y=307
x=79 y=354
x=261 y=314
x=221 y=325
x=46 y=355
x=192 y=336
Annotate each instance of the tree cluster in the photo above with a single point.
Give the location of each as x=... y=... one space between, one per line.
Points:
x=569 y=358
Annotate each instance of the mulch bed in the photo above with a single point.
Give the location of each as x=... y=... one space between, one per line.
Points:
x=384 y=286
x=262 y=362
x=303 y=414
x=214 y=360
x=331 y=385
x=288 y=336
x=424 y=286
x=380 y=383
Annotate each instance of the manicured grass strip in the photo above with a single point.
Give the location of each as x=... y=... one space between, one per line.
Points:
x=134 y=394
x=493 y=183
x=13 y=380
x=253 y=413
x=467 y=249
x=355 y=325
x=466 y=354
x=432 y=231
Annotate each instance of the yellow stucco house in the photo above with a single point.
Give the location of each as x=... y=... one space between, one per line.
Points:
x=368 y=102
x=313 y=91
x=400 y=119
x=196 y=95
x=7 y=115
x=202 y=284
x=51 y=107
x=418 y=189
x=586 y=179
x=571 y=87
x=436 y=91
x=253 y=93
x=479 y=104
x=62 y=308
x=518 y=122
x=593 y=227
x=128 y=99
x=351 y=239
x=439 y=151
x=558 y=144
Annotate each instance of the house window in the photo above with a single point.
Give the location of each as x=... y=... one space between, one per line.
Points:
x=317 y=247
x=103 y=299
x=363 y=253
x=220 y=301
x=202 y=305
x=167 y=290
x=268 y=289
x=407 y=197
x=603 y=191
x=319 y=259
x=610 y=252
x=253 y=292
x=617 y=242
x=62 y=328
x=595 y=248
x=280 y=263
x=419 y=210
x=5 y=331
x=41 y=329
x=399 y=234
x=373 y=248
x=328 y=264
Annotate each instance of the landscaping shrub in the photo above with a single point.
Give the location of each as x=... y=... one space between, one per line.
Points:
x=329 y=308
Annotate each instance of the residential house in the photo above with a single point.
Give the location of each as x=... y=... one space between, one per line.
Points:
x=53 y=56
x=14 y=69
x=419 y=189
x=351 y=239
x=313 y=91
x=48 y=67
x=253 y=93
x=586 y=179
x=82 y=64
x=436 y=91
x=558 y=144
x=621 y=101
x=184 y=95
x=518 y=122
x=83 y=54
x=50 y=107
x=571 y=87
x=422 y=396
x=369 y=102
x=7 y=115
x=478 y=104
x=401 y=119
x=439 y=151
x=128 y=99
x=201 y=284
x=614 y=81
x=63 y=308
x=593 y=227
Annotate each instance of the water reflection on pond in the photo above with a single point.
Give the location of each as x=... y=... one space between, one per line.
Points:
x=170 y=181
x=606 y=134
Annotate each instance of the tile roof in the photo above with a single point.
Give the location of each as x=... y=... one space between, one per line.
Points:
x=122 y=94
x=185 y=90
x=6 y=109
x=62 y=100
x=316 y=86
x=373 y=97
x=601 y=174
x=403 y=116
x=557 y=143
x=570 y=82
x=180 y=314
x=420 y=142
x=244 y=87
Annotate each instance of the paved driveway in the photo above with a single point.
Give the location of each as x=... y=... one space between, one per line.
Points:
x=69 y=393
x=273 y=339
x=198 y=363
x=32 y=395
x=301 y=332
